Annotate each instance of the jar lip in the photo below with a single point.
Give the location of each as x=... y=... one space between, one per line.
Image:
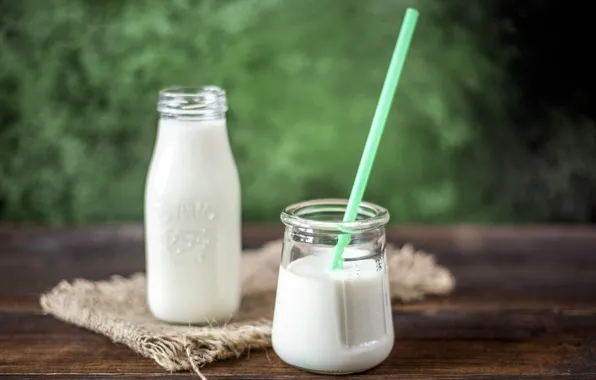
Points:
x=296 y=215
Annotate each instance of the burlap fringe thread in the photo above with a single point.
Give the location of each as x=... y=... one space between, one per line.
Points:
x=117 y=309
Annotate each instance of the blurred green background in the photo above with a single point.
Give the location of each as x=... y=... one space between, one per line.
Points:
x=79 y=82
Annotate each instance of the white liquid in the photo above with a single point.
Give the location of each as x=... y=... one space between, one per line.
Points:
x=192 y=224
x=332 y=321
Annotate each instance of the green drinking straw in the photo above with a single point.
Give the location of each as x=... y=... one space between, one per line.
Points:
x=376 y=129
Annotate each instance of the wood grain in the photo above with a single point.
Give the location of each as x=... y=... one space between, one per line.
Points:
x=524 y=307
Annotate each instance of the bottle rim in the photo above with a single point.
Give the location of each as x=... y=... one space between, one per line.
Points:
x=193 y=101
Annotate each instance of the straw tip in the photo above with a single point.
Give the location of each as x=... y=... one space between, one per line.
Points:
x=412 y=14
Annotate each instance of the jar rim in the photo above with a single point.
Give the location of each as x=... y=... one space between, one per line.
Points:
x=372 y=216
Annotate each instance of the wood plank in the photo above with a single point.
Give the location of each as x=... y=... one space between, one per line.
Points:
x=437 y=344
x=478 y=287
x=365 y=376
x=503 y=275
x=517 y=244
x=462 y=238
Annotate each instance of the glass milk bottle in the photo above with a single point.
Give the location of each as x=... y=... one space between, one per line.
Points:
x=333 y=322
x=192 y=210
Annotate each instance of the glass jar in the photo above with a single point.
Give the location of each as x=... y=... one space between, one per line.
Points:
x=333 y=321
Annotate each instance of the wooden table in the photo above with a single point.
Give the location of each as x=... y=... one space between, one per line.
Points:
x=525 y=306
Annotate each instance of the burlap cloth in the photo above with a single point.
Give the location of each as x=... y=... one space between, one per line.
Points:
x=117 y=309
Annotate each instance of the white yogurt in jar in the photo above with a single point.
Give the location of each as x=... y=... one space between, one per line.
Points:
x=332 y=321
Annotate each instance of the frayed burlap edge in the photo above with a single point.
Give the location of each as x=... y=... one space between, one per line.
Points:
x=174 y=348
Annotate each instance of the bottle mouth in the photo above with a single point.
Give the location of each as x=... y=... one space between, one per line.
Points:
x=199 y=101
x=327 y=214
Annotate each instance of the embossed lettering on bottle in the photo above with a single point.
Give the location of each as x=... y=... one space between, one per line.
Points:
x=187 y=228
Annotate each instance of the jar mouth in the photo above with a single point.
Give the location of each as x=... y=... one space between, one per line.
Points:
x=192 y=101
x=327 y=214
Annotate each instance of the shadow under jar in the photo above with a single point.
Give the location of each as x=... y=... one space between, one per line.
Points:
x=333 y=321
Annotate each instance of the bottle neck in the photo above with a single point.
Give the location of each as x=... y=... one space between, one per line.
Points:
x=192 y=137
x=219 y=118
x=184 y=130
x=190 y=118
